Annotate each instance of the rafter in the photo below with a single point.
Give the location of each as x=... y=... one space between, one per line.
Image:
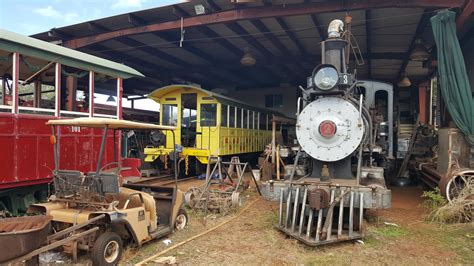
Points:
x=292 y=36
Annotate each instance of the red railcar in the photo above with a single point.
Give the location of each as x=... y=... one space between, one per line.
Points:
x=41 y=81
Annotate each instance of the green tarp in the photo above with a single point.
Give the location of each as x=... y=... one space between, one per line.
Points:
x=454 y=82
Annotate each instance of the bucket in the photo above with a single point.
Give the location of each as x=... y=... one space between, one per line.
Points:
x=256 y=174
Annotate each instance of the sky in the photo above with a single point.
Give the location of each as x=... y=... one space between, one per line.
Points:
x=28 y=17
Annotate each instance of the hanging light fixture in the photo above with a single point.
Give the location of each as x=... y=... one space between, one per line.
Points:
x=404 y=81
x=419 y=52
x=111 y=99
x=247 y=59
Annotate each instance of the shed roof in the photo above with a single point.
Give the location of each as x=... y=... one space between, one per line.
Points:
x=13 y=42
x=283 y=36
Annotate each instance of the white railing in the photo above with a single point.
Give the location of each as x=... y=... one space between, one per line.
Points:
x=7 y=107
x=74 y=113
x=35 y=109
x=105 y=116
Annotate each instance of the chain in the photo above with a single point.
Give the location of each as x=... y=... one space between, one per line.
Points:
x=186 y=164
x=165 y=161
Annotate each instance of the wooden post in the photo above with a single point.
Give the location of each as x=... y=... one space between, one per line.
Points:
x=273 y=140
x=15 y=79
x=119 y=97
x=57 y=87
x=71 y=86
x=37 y=94
x=91 y=93
x=278 y=162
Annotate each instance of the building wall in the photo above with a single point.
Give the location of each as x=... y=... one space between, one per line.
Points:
x=256 y=97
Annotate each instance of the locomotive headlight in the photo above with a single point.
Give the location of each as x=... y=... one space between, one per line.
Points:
x=325 y=77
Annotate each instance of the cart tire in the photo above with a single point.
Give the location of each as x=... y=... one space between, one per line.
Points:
x=107 y=249
x=236 y=200
x=181 y=220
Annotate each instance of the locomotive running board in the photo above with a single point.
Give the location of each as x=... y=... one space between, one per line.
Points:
x=340 y=220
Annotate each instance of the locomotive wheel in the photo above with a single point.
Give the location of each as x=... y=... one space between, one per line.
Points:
x=191 y=195
x=107 y=249
x=236 y=200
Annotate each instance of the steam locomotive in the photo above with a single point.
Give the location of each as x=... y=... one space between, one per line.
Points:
x=335 y=133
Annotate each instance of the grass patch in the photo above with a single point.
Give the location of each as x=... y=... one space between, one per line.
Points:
x=390 y=231
x=460 y=239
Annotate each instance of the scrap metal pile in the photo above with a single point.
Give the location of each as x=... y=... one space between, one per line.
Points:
x=220 y=192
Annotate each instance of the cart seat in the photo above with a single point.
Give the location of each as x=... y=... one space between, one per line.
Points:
x=149 y=202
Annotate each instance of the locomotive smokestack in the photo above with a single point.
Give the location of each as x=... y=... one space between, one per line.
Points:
x=335 y=28
x=333 y=47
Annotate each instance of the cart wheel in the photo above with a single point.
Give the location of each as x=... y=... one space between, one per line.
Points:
x=190 y=196
x=181 y=220
x=107 y=249
x=236 y=200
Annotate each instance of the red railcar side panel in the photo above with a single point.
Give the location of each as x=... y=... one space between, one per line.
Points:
x=27 y=156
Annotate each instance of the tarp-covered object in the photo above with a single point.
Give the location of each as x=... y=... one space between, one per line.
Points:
x=455 y=87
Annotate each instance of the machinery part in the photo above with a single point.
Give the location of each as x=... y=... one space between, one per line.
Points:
x=449 y=185
x=318 y=198
x=457 y=183
x=158 y=138
x=235 y=199
x=107 y=249
x=190 y=196
x=329 y=129
x=181 y=220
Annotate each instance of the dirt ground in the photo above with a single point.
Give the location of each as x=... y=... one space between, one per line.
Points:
x=252 y=238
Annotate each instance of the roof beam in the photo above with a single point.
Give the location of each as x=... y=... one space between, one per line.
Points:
x=424 y=20
x=135 y=20
x=259 y=12
x=293 y=38
x=466 y=13
x=277 y=43
x=368 y=36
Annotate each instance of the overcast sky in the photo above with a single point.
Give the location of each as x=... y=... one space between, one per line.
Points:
x=33 y=16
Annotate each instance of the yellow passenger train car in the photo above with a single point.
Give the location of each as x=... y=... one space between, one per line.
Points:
x=208 y=124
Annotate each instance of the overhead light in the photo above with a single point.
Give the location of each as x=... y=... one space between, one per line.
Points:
x=404 y=81
x=248 y=59
x=419 y=53
x=200 y=9
x=111 y=99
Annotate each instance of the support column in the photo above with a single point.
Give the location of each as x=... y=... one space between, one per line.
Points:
x=57 y=87
x=91 y=93
x=273 y=140
x=15 y=80
x=119 y=97
x=37 y=94
x=71 y=86
x=422 y=103
x=4 y=90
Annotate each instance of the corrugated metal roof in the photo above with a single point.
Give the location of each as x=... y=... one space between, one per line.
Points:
x=13 y=42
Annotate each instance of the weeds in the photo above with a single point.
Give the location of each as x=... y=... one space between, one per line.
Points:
x=433 y=199
x=459 y=210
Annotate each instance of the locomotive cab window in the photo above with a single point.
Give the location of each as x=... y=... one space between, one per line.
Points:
x=208 y=115
x=170 y=114
x=238 y=114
